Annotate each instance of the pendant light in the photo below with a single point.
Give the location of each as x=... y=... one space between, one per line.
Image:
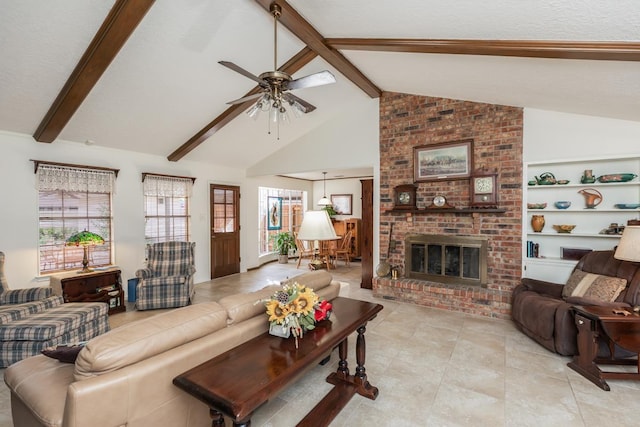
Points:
x=324 y=201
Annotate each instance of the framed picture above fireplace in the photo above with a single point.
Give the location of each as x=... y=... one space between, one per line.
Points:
x=447 y=161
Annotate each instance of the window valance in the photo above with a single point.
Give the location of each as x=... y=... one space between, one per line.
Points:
x=167 y=185
x=66 y=177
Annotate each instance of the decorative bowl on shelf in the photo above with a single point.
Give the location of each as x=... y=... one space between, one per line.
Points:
x=562 y=204
x=532 y=182
x=627 y=205
x=536 y=205
x=563 y=181
x=617 y=177
x=564 y=228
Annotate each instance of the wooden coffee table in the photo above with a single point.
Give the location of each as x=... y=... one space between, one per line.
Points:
x=239 y=381
x=601 y=323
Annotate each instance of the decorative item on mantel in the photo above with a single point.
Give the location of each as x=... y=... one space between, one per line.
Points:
x=85 y=239
x=295 y=309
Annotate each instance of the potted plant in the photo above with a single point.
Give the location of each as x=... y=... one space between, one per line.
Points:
x=330 y=210
x=283 y=243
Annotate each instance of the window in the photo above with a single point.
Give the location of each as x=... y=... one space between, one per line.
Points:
x=166 y=208
x=290 y=214
x=73 y=199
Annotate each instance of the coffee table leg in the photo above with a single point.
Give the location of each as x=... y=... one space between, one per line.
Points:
x=360 y=378
x=343 y=365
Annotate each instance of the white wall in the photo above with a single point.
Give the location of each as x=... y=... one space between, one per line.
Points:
x=347 y=141
x=551 y=135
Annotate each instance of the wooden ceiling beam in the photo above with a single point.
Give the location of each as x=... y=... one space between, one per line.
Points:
x=291 y=19
x=602 y=51
x=122 y=20
x=293 y=65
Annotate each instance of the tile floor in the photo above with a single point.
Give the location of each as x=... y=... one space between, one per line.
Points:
x=434 y=368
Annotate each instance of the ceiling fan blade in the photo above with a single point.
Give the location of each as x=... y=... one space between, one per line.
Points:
x=244 y=72
x=298 y=103
x=246 y=98
x=318 y=79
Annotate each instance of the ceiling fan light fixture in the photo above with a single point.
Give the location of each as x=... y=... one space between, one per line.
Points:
x=254 y=111
x=276 y=85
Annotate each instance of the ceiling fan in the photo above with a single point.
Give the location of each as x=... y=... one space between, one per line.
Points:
x=276 y=85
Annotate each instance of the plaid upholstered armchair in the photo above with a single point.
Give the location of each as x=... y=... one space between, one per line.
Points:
x=168 y=279
x=18 y=296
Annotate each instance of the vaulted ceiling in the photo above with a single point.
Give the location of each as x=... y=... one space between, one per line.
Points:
x=143 y=75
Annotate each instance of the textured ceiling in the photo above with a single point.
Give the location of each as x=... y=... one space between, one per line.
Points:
x=166 y=84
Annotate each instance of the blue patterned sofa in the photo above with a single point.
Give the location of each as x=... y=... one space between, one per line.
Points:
x=32 y=319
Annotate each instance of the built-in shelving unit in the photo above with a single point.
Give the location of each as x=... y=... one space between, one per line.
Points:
x=590 y=222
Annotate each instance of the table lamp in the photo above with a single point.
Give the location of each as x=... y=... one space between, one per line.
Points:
x=629 y=247
x=316 y=226
x=85 y=239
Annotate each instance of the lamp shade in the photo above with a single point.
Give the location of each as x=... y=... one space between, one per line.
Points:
x=85 y=238
x=629 y=246
x=324 y=201
x=316 y=225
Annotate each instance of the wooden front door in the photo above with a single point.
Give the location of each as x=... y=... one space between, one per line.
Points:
x=225 y=229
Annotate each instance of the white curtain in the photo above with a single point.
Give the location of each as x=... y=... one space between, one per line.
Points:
x=167 y=186
x=53 y=177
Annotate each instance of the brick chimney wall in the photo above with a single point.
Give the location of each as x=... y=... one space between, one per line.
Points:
x=407 y=121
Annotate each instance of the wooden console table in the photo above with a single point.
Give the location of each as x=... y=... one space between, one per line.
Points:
x=97 y=286
x=239 y=381
x=595 y=323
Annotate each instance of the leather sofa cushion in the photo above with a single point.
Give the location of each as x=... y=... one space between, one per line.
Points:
x=537 y=313
x=593 y=286
x=244 y=306
x=148 y=337
x=315 y=280
x=40 y=384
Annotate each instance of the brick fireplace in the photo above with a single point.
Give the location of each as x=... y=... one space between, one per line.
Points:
x=408 y=121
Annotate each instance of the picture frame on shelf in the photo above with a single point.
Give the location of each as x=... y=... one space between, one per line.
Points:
x=446 y=161
x=342 y=203
x=274 y=213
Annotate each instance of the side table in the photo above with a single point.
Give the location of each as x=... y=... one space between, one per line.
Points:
x=595 y=323
x=97 y=286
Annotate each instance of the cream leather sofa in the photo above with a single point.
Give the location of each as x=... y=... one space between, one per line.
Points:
x=124 y=377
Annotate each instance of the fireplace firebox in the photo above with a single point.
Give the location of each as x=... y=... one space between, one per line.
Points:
x=446 y=259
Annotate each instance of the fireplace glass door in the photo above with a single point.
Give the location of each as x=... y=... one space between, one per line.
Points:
x=447 y=262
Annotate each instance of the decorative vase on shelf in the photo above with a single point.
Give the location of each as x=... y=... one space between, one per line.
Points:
x=592 y=197
x=537 y=223
x=588 y=177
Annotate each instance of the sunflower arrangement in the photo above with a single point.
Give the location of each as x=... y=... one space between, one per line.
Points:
x=295 y=309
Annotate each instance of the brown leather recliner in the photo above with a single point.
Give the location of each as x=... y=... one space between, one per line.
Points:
x=539 y=310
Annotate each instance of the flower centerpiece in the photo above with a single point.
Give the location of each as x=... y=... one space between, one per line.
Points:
x=295 y=309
